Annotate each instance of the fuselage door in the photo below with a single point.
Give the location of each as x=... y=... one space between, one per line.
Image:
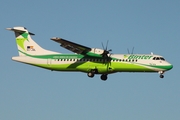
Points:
x=49 y=61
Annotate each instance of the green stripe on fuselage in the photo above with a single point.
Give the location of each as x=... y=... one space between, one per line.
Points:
x=108 y=67
x=85 y=66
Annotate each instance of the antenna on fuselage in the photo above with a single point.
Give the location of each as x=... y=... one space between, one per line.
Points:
x=132 y=51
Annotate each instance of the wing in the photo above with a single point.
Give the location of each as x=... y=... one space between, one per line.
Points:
x=74 y=47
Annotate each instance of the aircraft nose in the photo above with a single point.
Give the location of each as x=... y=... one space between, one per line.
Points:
x=170 y=66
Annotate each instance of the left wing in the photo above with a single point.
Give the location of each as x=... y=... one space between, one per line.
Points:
x=74 y=47
x=80 y=49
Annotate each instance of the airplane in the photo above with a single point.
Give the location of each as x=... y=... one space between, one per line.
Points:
x=84 y=59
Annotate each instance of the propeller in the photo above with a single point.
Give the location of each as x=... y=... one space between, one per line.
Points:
x=106 y=55
x=106 y=52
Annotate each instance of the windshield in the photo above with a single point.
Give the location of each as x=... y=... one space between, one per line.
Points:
x=158 y=58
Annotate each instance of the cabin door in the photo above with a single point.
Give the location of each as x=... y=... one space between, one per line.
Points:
x=49 y=61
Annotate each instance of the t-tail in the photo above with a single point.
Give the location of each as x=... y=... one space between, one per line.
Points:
x=26 y=45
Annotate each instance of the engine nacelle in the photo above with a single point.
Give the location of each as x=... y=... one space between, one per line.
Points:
x=97 y=51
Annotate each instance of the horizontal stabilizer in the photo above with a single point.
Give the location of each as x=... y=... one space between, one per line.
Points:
x=19 y=29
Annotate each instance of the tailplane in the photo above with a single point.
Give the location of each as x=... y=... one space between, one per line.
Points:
x=26 y=45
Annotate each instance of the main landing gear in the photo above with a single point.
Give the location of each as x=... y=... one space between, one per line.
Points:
x=92 y=73
x=161 y=74
x=104 y=77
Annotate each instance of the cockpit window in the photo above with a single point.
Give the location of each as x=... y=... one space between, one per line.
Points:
x=162 y=58
x=158 y=58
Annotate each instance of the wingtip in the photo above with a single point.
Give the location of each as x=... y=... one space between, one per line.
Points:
x=8 y=28
x=55 y=38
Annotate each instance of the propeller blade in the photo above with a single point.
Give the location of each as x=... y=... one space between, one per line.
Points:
x=106 y=52
x=128 y=51
x=107 y=44
x=102 y=45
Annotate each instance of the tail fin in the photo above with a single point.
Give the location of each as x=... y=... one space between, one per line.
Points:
x=26 y=45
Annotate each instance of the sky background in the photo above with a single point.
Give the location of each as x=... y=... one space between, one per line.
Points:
x=31 y=93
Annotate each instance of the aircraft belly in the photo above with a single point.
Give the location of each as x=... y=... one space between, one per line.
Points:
x=102 y=68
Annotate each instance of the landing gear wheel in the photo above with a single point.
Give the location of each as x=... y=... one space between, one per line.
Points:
x=90 y=74
x=104 y=77
x=161 y=76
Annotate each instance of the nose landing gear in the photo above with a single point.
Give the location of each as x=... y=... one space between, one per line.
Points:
x=161 y=74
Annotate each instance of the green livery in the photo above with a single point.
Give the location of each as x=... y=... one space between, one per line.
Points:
x=88 y=60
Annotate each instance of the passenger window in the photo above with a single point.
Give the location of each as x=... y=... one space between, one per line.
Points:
x=154 y=58
x=157 y=58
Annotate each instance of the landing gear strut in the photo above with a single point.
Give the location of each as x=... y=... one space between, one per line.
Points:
x=161 y=74
x=104 y=77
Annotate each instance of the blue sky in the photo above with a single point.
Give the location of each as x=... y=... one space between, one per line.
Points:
x=31 y=93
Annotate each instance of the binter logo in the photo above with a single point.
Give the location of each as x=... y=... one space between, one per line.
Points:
x=125 y=56
x=147 y=57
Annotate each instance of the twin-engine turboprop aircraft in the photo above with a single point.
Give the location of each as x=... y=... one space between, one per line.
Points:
x=88 y=60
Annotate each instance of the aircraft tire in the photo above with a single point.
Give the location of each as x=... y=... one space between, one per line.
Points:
x=161 y=76
x=104 y=77
x=90 y=74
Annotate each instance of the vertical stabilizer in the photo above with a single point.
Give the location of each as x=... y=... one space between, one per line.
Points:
x=26 y=45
